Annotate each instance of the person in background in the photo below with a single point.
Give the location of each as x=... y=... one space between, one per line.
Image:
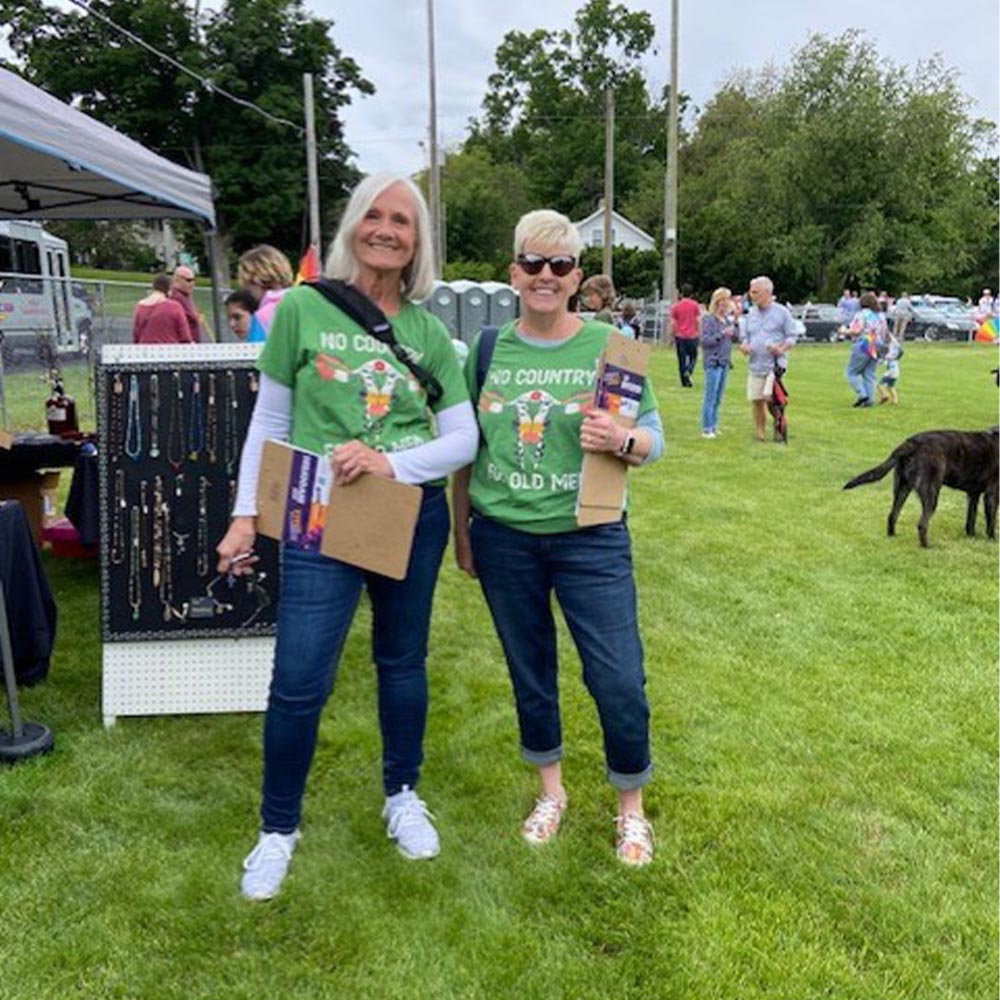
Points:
x=684 y=316
x=887 y=392
x=768 y=333
x=265 y=272
x=516 y=530
x=158 y=319
x=182 y=292
x=868 y=332
x=241 y=307
x=630 y=323
x=597 y=294
x=718 y=329
x=902 y=314
x=368 y=413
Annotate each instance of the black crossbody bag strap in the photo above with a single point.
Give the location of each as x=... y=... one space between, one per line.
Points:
x=367 y=315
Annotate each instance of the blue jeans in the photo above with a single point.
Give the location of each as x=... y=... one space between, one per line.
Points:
x=687 y=357
x=715 y=386
x=591 y=573
x=861 y=374
x=319 y=596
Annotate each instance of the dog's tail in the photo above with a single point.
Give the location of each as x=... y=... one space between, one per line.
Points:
x=872 y=475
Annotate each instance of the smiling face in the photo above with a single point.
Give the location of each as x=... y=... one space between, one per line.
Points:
x=386 y=238
x=545 y=293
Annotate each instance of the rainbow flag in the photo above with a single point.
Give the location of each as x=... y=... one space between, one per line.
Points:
x=309 y=269
x=988 y=330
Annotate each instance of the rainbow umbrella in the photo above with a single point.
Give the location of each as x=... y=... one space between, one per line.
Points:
x=988 y=330
x=308 y=267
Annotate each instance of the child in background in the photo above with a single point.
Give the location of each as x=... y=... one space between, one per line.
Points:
x=887 y=384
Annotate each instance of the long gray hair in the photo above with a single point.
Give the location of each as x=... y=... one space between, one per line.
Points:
x=417 y=281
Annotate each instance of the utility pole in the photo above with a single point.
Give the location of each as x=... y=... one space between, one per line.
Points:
x=435 y=175
x=311 y=170
x=670 y=192
x=609 y=179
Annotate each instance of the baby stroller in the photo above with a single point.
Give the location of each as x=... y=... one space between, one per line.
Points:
x=778 y=402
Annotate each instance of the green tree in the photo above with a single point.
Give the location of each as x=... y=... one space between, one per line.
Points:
x=637 y=272
x=255 y=49
x=840 y=168
x=544 y=110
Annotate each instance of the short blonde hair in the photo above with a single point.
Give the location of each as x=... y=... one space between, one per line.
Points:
x=417 y=280
x=719 y=293
x=550 y=229
x=266 y=266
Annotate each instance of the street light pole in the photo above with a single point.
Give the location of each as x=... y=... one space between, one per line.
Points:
x=312 y=174
x=609 y=179
x=670 y=191
x=435 y=174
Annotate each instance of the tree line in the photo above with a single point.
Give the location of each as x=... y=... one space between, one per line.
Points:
x=838 y=168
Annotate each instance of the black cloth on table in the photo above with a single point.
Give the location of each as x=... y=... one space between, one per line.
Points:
x=31 y=452
x=31 y=611
x=82 y=504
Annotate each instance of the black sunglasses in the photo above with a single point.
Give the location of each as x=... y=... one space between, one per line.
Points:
x=532 y=263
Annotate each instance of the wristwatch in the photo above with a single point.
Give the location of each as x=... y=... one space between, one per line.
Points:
x=628 y=445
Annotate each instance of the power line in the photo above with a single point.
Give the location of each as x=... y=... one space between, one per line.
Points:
x=204 y=81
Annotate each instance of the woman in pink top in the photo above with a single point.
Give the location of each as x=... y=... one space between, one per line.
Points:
x=266 y=274
x=158 y=319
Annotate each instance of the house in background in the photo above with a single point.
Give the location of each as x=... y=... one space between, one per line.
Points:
x=623 y=232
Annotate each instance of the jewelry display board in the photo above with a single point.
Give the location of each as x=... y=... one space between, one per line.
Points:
x=172 y=419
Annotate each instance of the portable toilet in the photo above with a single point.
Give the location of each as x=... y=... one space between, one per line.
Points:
x=503 y=302
x=444 y=304
x=473 y=308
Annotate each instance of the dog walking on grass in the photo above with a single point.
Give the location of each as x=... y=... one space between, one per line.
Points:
x=963 y=460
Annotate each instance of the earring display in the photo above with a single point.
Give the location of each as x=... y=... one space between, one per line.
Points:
x=173 y=434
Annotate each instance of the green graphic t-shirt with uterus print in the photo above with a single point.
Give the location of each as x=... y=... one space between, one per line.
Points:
x=527 y=472
x=346 y=385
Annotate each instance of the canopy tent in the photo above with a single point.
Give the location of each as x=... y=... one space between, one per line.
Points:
x=58 y=163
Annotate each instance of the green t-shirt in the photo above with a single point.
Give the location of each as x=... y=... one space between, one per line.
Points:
x=346 y=385
x=527 y=472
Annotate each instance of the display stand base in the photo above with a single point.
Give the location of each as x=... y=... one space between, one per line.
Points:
x=35 y=739
x=186 y=676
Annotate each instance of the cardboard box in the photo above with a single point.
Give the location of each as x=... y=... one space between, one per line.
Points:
x=38 y=495
x=621 y=378
x=369 y=523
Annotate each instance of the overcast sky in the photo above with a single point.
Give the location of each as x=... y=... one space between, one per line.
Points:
x=388 y=38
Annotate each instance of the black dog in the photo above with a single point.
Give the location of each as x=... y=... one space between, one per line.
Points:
x=963 y=460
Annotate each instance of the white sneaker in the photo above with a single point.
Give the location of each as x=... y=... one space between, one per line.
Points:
x=708 y=434
x=266 y=865
x=408 y=822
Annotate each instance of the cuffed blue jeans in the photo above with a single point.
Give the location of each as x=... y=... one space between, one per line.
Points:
x=860 y=374
x=590 y=572
x=318 y=599
x=715 y=387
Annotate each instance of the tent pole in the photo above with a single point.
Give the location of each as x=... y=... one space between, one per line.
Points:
x=213 y=270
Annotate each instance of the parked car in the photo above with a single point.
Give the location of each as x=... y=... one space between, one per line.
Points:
x=820 y=321
x=935 y=324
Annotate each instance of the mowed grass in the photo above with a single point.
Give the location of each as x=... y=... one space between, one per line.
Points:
x=824 y=709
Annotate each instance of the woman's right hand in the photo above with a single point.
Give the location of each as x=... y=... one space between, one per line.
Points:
x=463 y=552
x=238 y=541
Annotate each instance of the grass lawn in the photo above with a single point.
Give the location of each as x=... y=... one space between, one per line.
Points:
x=825 y=722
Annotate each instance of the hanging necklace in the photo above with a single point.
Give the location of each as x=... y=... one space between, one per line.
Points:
x=175 y=433
x=167 y=571
x=232 y=496
x=212 y=428
x=154 y=416
x=116 y=427
x=118 y=519
x=157 y=531
x=202 y=555
x=229 y=433
x=196 y=420
x=134 y=578
x=253 y=383
x=133 y=426
x=144 y=507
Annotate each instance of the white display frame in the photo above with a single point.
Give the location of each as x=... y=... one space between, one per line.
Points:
x=181 y=676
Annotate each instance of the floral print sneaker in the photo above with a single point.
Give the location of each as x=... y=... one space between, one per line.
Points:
x=633 y=840
x=543 y=821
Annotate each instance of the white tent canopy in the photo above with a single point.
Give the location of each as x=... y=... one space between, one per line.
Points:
x=58 y=163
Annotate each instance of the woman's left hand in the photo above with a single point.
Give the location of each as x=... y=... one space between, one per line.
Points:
x=354 y=458
x=599 y=432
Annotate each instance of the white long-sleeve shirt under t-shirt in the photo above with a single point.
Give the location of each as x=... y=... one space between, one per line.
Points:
x=454 y=447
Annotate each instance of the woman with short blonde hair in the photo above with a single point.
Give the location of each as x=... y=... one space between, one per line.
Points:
x=718 y=330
